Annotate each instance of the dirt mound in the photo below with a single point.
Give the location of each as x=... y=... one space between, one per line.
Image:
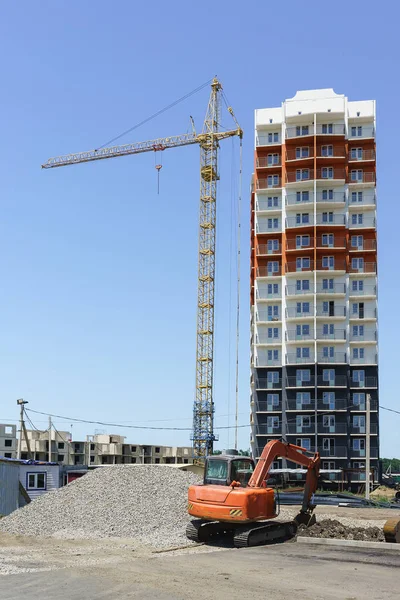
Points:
x=330 y=528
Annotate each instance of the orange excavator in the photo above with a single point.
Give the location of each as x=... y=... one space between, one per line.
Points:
x=234 y=497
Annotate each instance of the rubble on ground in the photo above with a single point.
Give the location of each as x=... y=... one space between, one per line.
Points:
x=331 y=528
x=145 y=502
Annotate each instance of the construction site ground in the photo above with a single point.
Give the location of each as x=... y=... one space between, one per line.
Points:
x=34 y=568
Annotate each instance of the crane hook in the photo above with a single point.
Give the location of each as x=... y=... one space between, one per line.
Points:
x=158 y=167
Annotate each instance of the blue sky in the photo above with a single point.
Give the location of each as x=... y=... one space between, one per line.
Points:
x=97 y=308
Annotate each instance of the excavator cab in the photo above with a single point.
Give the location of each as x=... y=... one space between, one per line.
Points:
x=225 y=469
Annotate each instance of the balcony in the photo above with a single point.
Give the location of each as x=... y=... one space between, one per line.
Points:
x=361 y=406
x=335 y=404
x=331 y=151
x=335 y=428
x=264 y=383
x=331 y=219
x=265 y=362
x=266 y=272
x=359 y=154
x=294 y=359
x=265 y=227
x=263 y=406
x=296 y=382
x=338 y=264
x=368 y=336
x=370 y=359
x=274 y=160
x=293 y=313
x=364 y=268
x=335 y=358
x=363 y=198
x=329 y=196
x=338 y=334
x=334 y=451
x=300 y=405
x=264 y=338
x=366 y=222
x=300 y=175
x=299 y=221
x=269 y=204
x=292 y=290
x=268 y=249
x=368 y=290
x=337 y=381
x=297 y=244
x=356 y=177
x=361 y=453
x=297 y=428
x=292 y=336
x=367 y=313
x=263 y=294
x=366 y=382
x=299 y=131
x=361 y=429
x=331 y=173
x=337 y=288
x=262 y=316
x=359 y=132
x=295 y=267
x=299 y=199
x=272 y=182
x=335 y=311
x=269 y=429
x=331 y=129
x=268 y=139
x=324 y=242
x=365 y=245
x=303 y=153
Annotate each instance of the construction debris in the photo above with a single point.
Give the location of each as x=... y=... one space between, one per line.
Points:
x=144 y=502
x=330 y=528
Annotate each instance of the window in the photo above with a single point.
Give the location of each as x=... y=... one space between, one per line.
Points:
x=359 y=400
x=328 y=375
x=327 y=173
x=359 y=377
x=302 y=284
x=328 y=239
x=92 y=459
x=273 y=223
x=327 y=284
x=273 y=266
x=328 y=308
x=357 y=241
x=60 y=445
x=303 y=152
x=92 y=446
x=329 y=422
x=359 y=446
x=60 y=458
x=358 y=331
x=303 y=398
x=303 y=352
x=302 y=308
x=302 y=174
x=302 y=219
x=328 y=330
x=273 y=399
x=7 y=455
x=327 y=151
x=328 y=262
x=358 y=353
x=328 y=465
x=327 y=195
x=272 y=246
x=328 y=351
x=133 y=448
x=303 y=375
x=273 y=333
x=273 y=355
x=302 y=130
x=357 y=264
x=36 y=481
x=302 y=263
x=328 y=446
x=8 y=443
x=273 y=422
x=303 y=196
x=327 y=128
x=328 y=398
x=357 y=285
x=356 y=153
x=273 y=137
x=327 y=217
x=8 y=430
x=272 y=181
x=273 y=159
x=273 y=312
x=356 y=175
x=157 y=450
x=273 y=201
x=302 y=240
x=303 y=421
x=304 y=443
x=273 y=289
x=359 y=422
x=302 y=331
x=356 y=196
x=273 y=377
x=356 y=131
x=358 y=309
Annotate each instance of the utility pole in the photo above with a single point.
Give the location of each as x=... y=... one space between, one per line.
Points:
x=368 y=447
x=49 y=453
x=21 y=402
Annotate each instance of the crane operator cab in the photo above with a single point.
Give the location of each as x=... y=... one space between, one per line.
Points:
x=224 y=469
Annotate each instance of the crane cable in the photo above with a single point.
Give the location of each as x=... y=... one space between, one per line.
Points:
x=238 y=289
x=156 y=114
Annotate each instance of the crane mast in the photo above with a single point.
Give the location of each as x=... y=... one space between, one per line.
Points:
x=203 y=412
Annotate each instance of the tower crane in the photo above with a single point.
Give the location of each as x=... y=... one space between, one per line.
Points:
x=208 y=140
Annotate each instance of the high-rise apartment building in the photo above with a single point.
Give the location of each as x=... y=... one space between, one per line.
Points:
x=314 y=346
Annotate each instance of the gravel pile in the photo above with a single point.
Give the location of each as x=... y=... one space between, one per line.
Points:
x=330 y=528
x=144 y=502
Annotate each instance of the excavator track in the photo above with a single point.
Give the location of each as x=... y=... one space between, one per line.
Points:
x=263 y=533
x=204 y=531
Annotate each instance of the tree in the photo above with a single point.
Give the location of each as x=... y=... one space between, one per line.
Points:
x=394 y=463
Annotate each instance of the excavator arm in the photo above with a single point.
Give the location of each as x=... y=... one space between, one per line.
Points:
x=276 y=449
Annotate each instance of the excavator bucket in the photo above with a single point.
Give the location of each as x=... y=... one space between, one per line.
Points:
x=391 y=530
x=304 y=518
